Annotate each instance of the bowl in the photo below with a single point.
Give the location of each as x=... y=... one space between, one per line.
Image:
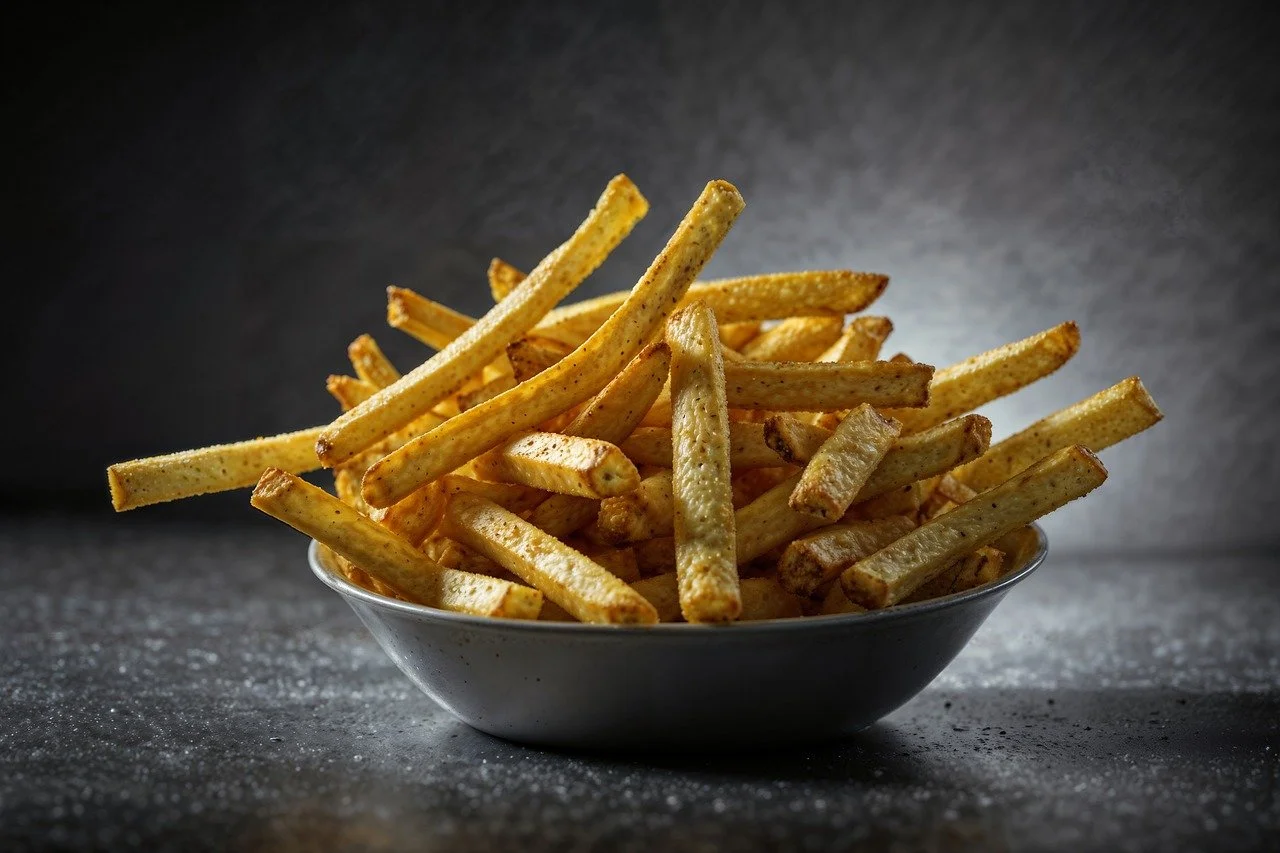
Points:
x=674 y=686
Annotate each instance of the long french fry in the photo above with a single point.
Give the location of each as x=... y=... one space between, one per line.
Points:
x=701 y=493
x=762 y=598
x=565 y=464
x=503 y=278
x=433 y=324
x=620 y=562
x=415 y=516
x=618 y=209
x=735 y=300
x=531 y=355
x=220 y=468
x=655 y=556
x=370 y=363
x=486 y=392
x=967 y=572
x=349 y=391
x=1097 y=422
x=747 y=447
x=813 y=561
x=838 y=471
x=861 y=341
x=735 y=336
x=509 y=496
x=580 y=374
x=795 y=441
x=795 y=339
x=385 y=556
x=663 y=592
x=904 y=500
x=822 y=386
x=587 y=591
x=891 y=574
x=645 y=512
x=990 y=375
x=346 y=484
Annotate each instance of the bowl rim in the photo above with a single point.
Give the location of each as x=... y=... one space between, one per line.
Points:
x=424 y=613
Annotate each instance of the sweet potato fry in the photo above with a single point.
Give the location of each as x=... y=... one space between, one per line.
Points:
x=813 y=561
x=795 y=339
x=838 y=471
x=565 y=464
x=812 y=387
x=369 y=362
x=503 y=278
x=747 y=447
x=893 y=573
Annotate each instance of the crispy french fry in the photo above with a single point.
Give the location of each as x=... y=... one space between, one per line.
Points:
x=990 y=375
x=565 y=464
x=971 y=570
x=578 y=376
x=643 y=513
x=835 y=601
x=142 y=482
x=904 y=500
x=1097 y=422
x=795 y=339
x=618 y=561
x=583 y=588
x=509 y=496
x=613 y=414
x=346 y=483
x=433 y=324
x=618 y=209
x=369 y=362
x=531 y=355
x=486 y=392
x=735 y=300
x=503 y=278
x=813 y=561
x=861 y=341
x=1018 y=547
x=735 y=336
x=349 y=391
x=747 y=447
x=415 y=516
x=754 y=482
x=702 y=497
x=893 y=573
x=838 y=471
x=562 y=515
x=656 y=556
x=811 y=387
x=663 y=592
x=764 y=598
x=385 y=556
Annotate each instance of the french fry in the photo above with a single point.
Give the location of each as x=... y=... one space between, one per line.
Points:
x=810 y=386
x=838 y=471
x=1108 y=417
x=612 y=414
x=562 y=515
x=369 y=362
x=349 y=391
x=509 y=496
x=904 y=500
x=893 y=573
x=618 y=209
x=531 y=355
x=346 y=483
x=617 y=561
x=1018 y=547
x=565 y=464
x=580 y=374
x=861 y=341
x=990 y=375
x=754 y=482
x=142 y=482
x=736 y=300
x=764 y=598
x=433 y=324
x=656 y=556
x=663 y=592
x=645 y=512
x=503 y=278
x=967 y=572
x=795 y=339
x=835 y=601
x=587 y=591
x=701 y=492
x=385 y=556
x=747 y=447
x=415 y=516
x=735 y=336
x=813 y=561
x=486 y=392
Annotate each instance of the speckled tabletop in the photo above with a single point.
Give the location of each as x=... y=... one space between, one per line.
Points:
x=181 y=687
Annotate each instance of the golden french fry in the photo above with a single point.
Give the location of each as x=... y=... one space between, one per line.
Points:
x=861 y=341
x=1097 y=422
x=562 y=515
x=346 y=483
x=503 y=278
x=838 y=471
x=747 y=447
x=349 y=391
x=663 y=592
x=754 y=482
x=618 y=209
x=370 y=363
x=564 y=464
x=433 y=324
x=656 y=556
x=509 y=496
x=612 y=414
x=486 y=392
x=702 y=496
x=1018 y=547
x=774 y=296
x=904 y=500
x=821 y=386
x=532 y=354
x=835 y=601
x=645 y=512
x=617 y=561
x=893 y=573
x=971 y=570
x=385 y=556
x=990 y=375
x=578 y=376
x=735 y=336
x=813 y=561
x=157 y=479
x=586 y=590
x=795 y=339
x=764 y=598
x=415 y=516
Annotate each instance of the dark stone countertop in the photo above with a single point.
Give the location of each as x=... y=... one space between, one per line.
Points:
x=182 y=687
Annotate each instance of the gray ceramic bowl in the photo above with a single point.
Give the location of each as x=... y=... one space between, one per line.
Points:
x=674 y=685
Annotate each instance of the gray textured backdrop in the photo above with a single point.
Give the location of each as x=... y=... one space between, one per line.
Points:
x=212 y=202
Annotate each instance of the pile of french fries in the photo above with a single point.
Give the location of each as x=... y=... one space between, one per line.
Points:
x=659 y=455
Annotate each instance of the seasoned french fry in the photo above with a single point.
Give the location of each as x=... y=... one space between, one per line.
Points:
x=486 y=392
x=1097 y=422
x=568 y=465
x=754 y=482
x=990 y=375
x=893 y=573
x=813 y=561
x=415 y=516
x=385 y=556
x=587 y=591
x=562 y=515
x=531 y=355
x=618 y=209
x=433 y=324
x=838 y=471
x=618 y=561
x=835 y=601
x=735 y=300
x=967 y=572
x=349 y=391
x=645 y=512
x=509 y=496
x=503 y=278
x=764 y=598
x=142 y=482
x=346 y=483
x=735 y=336
x=747 y=447
x=663 y=592
x=576 y=377
x=655 y=556
x=369 y=362
x=701 y=493
x=812 y=387
x=861 y=341
x=613 y=414
x=904 y=500
x=795 y=339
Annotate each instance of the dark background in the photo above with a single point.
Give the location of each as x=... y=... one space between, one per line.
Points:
x=206 y=203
